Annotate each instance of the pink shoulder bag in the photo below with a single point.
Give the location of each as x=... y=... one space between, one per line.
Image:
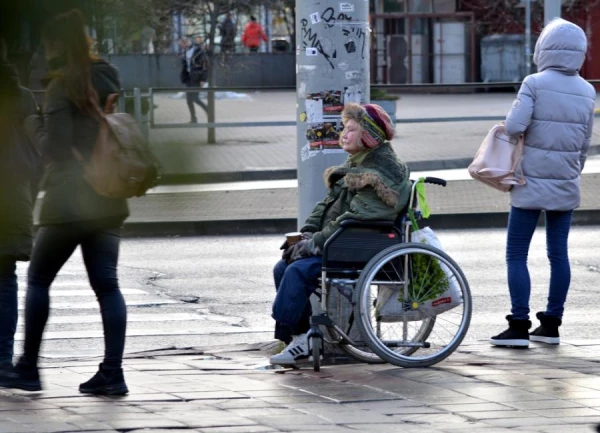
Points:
x=497 y=163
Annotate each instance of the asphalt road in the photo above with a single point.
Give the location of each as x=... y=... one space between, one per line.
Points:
x=203 y=291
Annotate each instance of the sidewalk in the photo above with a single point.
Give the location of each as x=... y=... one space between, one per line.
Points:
x=478 y=389
x=229 y=194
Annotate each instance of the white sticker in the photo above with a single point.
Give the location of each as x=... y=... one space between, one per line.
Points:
x=315 y=18
x=311 y=51
x=352 y=93
x=307 y=67
x=306 y=153
x=343 y=65
x=301 y=89
x=352 y=75
x=346 y=7
x=314 y=110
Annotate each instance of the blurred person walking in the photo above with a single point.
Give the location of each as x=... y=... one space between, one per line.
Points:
x=16 y=201
x=554 y=110
x=227 y=31
x=253 y=34
x=72 y=214
x=194 y=73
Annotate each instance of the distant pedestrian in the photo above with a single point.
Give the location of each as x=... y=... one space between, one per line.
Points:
x=373 y=183
x=16 y=202
x=72 y=214
x=253 y=34
x=555 y=111
x=227 y=31
x=194 y=73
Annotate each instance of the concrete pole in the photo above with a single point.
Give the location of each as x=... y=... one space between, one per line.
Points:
x=527 y=37
x=380 y=43
x=551 y=10
x=332 y=68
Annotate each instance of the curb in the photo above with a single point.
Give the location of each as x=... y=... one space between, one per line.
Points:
x=231 y=176
x=292 y=173
x=210 y=228
x=282 y=225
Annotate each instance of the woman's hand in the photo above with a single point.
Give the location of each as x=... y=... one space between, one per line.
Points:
x=296 y=252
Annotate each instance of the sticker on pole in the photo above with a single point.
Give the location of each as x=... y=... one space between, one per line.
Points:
x=346 y=7
x=311 y=51
x=315 y=18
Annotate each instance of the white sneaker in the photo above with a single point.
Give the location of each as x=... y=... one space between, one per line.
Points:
x=297 y=350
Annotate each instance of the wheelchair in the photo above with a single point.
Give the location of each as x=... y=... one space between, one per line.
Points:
x=387 y=299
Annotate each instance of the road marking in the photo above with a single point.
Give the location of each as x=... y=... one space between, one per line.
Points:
x=78 y=335
x=57 y=293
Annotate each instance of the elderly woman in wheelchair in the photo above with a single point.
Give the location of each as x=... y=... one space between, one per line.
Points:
x=373 y=184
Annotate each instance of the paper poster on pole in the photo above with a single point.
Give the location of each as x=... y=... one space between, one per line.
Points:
x=314 y=110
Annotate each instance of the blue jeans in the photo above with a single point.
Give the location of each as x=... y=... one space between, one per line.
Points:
x=54 y=244
x=521 y=226
x=294 y=284
x=9 y=311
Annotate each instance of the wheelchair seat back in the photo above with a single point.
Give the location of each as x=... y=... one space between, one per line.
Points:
x=353 y=247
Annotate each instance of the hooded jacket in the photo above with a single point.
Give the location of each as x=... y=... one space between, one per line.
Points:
x=68 y=197
x=554 y=110
x=376 y=187
x=16 y=196
x=253 y=33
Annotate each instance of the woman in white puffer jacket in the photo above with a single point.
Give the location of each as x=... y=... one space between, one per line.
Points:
x=554 y=110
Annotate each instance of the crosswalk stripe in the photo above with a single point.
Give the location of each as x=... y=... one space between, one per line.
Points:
x=131 y=318
x=69 y=335
x=83 y=292
x=94 y=305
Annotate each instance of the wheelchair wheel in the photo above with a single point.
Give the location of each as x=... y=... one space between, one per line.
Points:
x=341 y=310
x=413 y=305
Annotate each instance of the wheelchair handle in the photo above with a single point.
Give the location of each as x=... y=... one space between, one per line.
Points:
x=435 y=181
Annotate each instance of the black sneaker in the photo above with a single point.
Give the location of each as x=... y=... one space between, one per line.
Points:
x=7 y=374
x=547 y=332
x=105 y=381
x=22 y=377
x=516 y=335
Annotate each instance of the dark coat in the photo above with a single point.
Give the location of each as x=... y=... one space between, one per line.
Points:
x=16 y=199
x=377 y=188
x=68 y=197
x=197 y=70
x=227 y=32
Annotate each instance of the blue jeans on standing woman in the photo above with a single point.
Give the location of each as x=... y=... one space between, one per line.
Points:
x=54 y=245
x=294 y=284
x=8 y=308
x=521 y=226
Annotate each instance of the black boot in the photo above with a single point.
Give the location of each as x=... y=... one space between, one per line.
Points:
x=7 y=374
x=516 y=335
x=106 y=381
x=547 y=332
x=22 y=376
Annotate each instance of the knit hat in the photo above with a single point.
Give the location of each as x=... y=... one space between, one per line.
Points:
x=377 y=126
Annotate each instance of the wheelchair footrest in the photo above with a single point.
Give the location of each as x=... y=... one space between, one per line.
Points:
x=321 y=319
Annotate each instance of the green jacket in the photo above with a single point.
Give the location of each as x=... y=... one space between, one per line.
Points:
x=372 y=185
x=68 y=197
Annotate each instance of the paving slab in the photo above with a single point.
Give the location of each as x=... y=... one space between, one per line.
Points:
x=471 y=391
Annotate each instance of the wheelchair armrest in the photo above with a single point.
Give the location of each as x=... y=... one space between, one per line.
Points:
x=367 y=224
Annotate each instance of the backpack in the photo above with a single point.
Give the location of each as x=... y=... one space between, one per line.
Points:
x=121 y=164
x=497 y=163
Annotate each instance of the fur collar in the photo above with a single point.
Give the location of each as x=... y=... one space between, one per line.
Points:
x=381 y=169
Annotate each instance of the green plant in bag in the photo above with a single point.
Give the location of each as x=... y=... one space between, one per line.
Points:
x=427 y=279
